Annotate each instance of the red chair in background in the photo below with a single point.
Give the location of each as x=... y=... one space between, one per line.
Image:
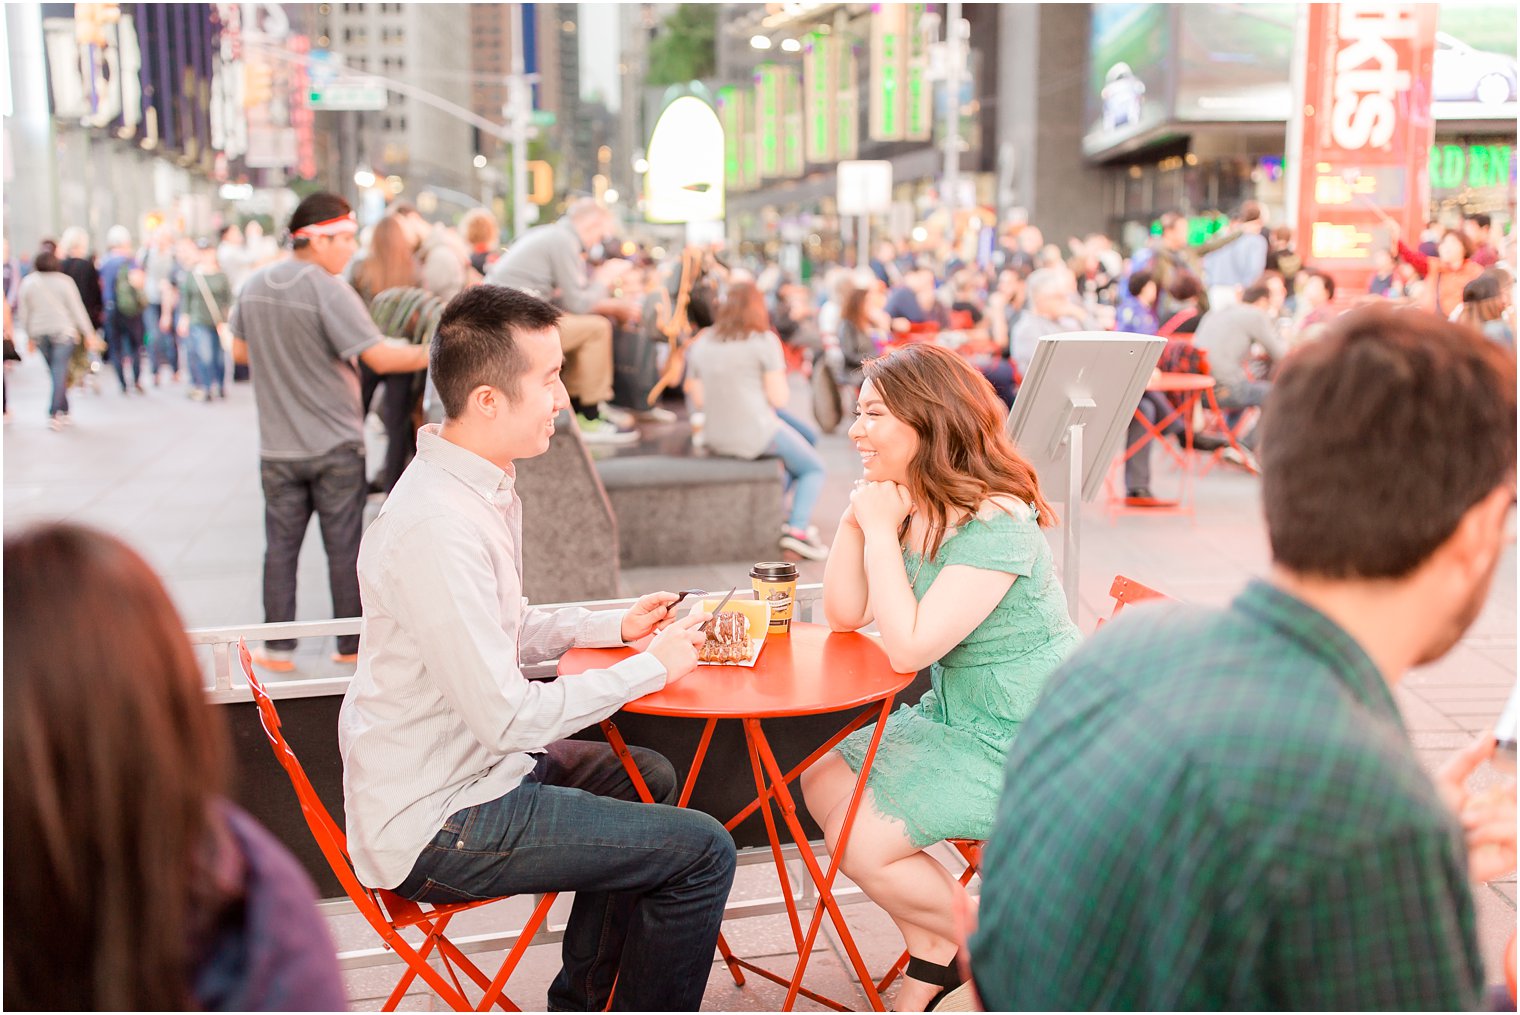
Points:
x=388 y=913
x=1127 y=592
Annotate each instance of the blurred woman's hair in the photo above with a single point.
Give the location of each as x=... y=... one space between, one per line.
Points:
x=112 y=761
x=479 y=228
x=1185 y=287
x=47 y=260
x=741 y=314
x=854 y=309
x=965 y=455
x=1483 y=299
x=389 y=263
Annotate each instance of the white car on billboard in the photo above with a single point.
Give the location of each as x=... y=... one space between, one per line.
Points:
x=1465 y=74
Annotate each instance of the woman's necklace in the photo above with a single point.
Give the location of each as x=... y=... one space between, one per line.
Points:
x=913 y=581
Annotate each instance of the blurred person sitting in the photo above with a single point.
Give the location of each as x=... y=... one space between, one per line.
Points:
x=1316 y=298
x=863 y=328
x=1282 y=256
x=1050 y=310
x=204 y=306
x=941 y=546
x=1137 y=312
x=1005 y=305
x=736 y=377
x=305 y=328
x=1236 y=263
x=132 y=881
x=1484 y=304
x=50 y=312
x=481 y=231
x=885 y=265
x=1479 y=229
x=123 y=312
x=914 y=305
x=1230 y=337
x=1220 y=808
x=549 y=261
x=968 y=299
x=1190 y=303
x=458 y=781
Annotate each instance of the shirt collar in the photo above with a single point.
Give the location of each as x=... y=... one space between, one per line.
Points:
x=473 y=471
x=1322 y=637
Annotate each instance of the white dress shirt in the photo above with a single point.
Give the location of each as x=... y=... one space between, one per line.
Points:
x=439 y=716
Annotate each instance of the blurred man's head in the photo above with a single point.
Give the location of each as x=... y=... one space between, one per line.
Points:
x=1174 y=231
x=1388 y=461
x=1318 y=289
x=1143 y=288
x=119 y=239
x=1050 y=292
x=1253 y=217
x=1277 y=289
x=1031 y=240
x=591 y=222
x=1478 y=228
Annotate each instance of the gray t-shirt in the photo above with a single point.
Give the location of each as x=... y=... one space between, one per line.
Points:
x=303 y=327
x=1226 y=335
x=740 y=420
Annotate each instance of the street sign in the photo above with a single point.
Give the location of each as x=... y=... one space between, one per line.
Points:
x=542 y=118
x=865 y=187
x=349 y=94
x=333 y=86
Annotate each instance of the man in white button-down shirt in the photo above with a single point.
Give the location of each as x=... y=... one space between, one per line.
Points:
x=457 y=782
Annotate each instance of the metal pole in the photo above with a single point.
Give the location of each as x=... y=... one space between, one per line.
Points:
x=863 y=242
x=954 y=59
x=517 y=100
x=1071 y=545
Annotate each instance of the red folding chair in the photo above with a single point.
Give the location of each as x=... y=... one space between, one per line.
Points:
x=1127 y=592
x=970 y=851
x=388 y=913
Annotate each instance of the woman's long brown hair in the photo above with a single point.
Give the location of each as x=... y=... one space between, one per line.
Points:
x=854 y=309
x=742 y=314
x=389 y=263
x=112 y=759
x=965 y=455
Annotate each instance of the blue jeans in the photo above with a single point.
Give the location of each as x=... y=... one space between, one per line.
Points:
x=650 y=881
x=793 y=444
x=124 y=335
x=56 y=350
x=335 y=487
x=163 y=345
x=208 y=369
x=1154 y=407
x=1240 y=396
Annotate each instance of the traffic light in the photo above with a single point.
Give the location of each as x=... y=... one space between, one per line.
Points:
x=540 y=182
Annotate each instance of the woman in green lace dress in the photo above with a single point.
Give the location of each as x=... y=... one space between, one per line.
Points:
x=941 y=547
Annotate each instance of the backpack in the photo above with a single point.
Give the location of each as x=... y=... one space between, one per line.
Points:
x=130 y=300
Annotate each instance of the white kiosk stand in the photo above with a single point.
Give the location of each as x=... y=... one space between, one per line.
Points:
x=1070 y=418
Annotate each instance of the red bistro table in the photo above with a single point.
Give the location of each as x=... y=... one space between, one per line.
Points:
x=1192 y=388
x=810 y=672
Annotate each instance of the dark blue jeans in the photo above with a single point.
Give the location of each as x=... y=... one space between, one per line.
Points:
x=334 y=487
x=56 y=350
x=124 y=336
x=650 y=881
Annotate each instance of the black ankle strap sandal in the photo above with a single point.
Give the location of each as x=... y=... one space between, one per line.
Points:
x=946 y=977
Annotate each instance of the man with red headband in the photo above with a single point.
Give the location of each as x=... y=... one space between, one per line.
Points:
x=305 y=328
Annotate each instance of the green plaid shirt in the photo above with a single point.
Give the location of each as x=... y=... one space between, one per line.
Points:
x=1222 y=810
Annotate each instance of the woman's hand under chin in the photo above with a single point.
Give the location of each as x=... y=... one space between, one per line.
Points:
x=881 y=505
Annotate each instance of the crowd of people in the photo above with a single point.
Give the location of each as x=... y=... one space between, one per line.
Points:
x=1197 y=808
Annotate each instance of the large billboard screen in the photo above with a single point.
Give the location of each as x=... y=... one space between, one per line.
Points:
x=1231 y=63
x=1126 y=86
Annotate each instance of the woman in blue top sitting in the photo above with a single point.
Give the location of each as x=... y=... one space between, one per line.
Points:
x=941 y=547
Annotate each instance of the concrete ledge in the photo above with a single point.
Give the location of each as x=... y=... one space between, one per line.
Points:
x=685 y=510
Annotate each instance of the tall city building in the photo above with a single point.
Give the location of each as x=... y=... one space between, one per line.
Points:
x=418 y=46
x=492 y=27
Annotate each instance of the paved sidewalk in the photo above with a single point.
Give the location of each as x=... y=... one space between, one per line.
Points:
x=179 y=481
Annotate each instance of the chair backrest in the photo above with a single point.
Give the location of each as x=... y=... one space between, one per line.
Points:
x=324 y=829
x=1126 y=592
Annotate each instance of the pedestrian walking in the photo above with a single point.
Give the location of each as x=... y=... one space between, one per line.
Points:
x=53 y=316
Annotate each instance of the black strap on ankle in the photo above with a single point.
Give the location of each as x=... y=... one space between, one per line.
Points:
x=947 y=975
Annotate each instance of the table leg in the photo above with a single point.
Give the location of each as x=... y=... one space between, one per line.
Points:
x=770 y=830
x=620 y=748
x=825 y=882
x=803 y=765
